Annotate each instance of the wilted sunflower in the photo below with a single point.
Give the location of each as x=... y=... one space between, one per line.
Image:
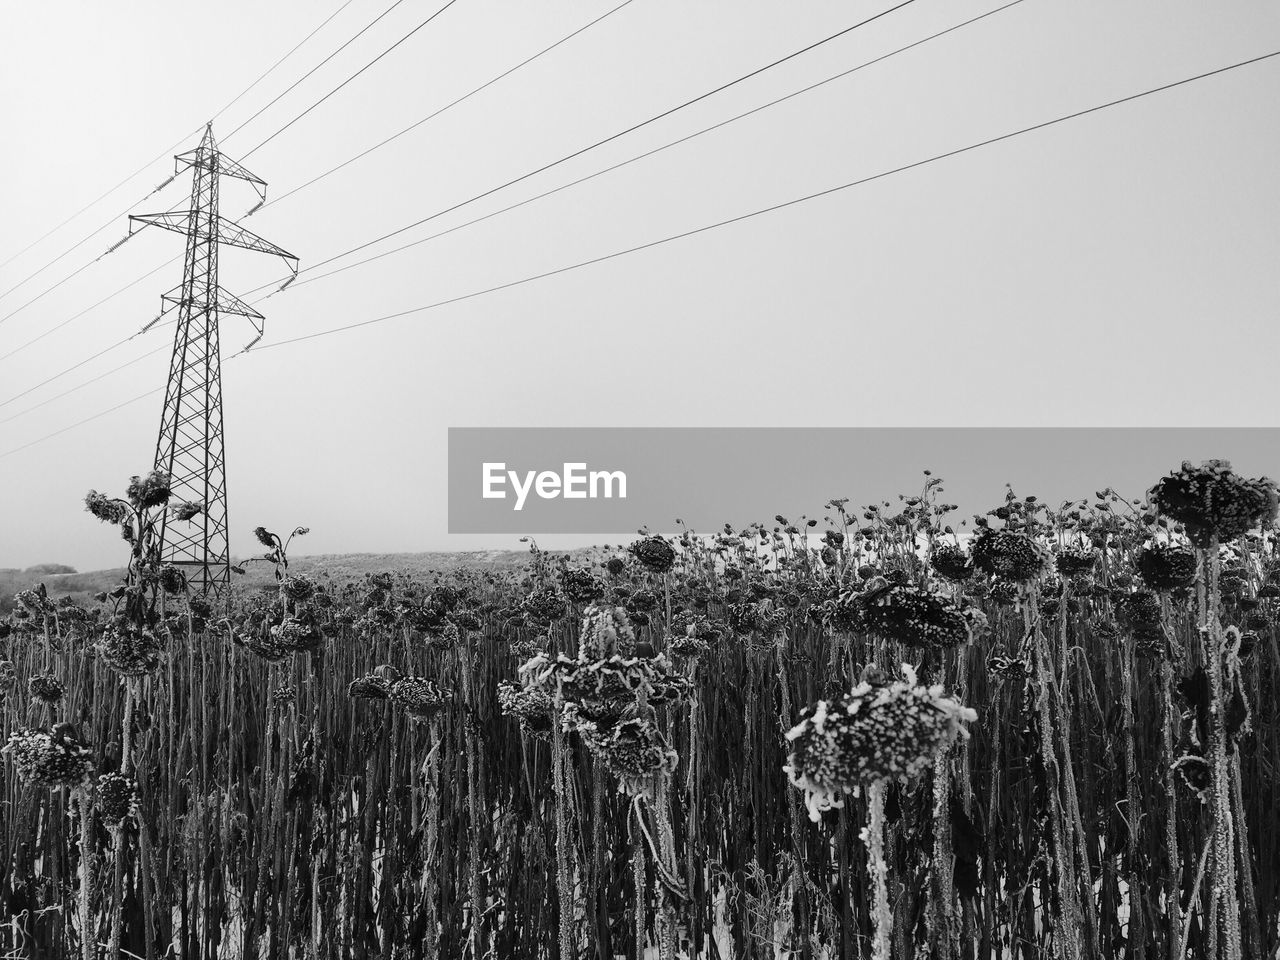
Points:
x=369 y=687
x=542 y=606
x=187 y=511
x=875 y=733
x=914 y=617
x=1011 y=556
x=298 y=589
x=420 y=696
x=581 y=585
x=532 y=706
x=1140 y=610
x=46 y=688
x=654 y=554
x=149 y=491
x=951 y=563
x=129 y=650
x=105 y=508
x=1075 y=561
x=298 y=634
x=262 y=644
x=1167 y=566
x=117 y=796
x=633 y=750
x=1211 y=501
x=49 y=760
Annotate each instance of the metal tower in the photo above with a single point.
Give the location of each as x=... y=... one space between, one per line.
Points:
x=190 y=446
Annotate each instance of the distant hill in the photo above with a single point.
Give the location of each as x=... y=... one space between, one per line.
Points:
x=340 y=566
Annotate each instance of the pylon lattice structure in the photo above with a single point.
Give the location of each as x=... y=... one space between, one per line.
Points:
x=190 y=447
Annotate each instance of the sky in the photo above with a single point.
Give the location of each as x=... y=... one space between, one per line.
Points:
x=1114 y=270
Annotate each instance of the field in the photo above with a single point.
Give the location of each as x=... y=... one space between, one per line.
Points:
x=1047 y=731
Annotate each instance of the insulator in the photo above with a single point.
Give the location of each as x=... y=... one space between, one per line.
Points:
x=287 y=282
x=255 y=208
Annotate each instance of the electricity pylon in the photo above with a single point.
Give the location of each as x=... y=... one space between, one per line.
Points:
x=190 y=446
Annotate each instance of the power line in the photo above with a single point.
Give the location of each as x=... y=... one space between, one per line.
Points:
x=81 y=423
x=611 y=138
x=80 y=386
x=295 y=83
x=637 y=158
x=448 y=106
x=324 y=23
x=90 y=205
x=76 y=366
x=349 y=79
x=93 y=306
x=779 y=206
x=706 y=228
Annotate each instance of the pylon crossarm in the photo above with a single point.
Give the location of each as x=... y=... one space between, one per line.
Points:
x=228 y=303
x=175 y=220
x=232 y=234
x=230 y=168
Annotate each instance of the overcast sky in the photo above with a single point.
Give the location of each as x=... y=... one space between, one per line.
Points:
x=1117 y=269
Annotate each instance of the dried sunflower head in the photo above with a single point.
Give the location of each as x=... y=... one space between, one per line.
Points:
x=654 y=554
x=581 y=585
x=46 y=688
x=875 y=733
x=117 y=796
x=1167 y=566
x=915 y=617
x=49 y=760
x=951 y=563
x=531 y=706
x=129 y=650
x=1010 y=555
x=1213 y=502
x=149 y=491
x=421 y=697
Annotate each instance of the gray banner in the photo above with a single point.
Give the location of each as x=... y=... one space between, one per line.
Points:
x=610 y=481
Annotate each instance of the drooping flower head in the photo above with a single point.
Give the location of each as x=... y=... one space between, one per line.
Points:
x=46 y=688
x=581 y=585
x=654 y=554
x=296 y=634
x=187 y=510
x=543 y=606
x=875 y=733
x=531 y=705
x=1167 y=566
x=298 y=589
x=49 y=760
x=129 y=650
x=370 y=687
x=117 y=796
x=951 y=563
x=421 y=697
x=1213 y=501
x=1074 y=561
x=107 y=509
x=1011 y=556
x=914 y=617
x=149 y=491
x=633 y=750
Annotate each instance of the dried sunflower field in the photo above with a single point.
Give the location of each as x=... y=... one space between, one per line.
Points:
x=1047 y=731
